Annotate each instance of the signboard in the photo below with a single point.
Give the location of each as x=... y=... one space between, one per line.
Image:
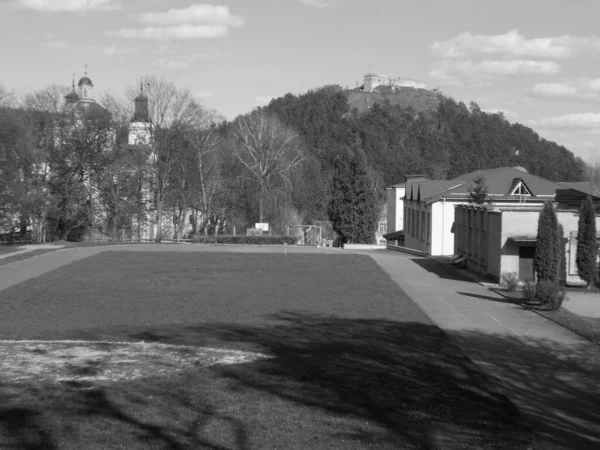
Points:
x=262 y=226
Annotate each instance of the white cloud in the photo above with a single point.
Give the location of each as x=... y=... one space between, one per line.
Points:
x=182 y=32
x=169 y=63
x=114 y=50
x=513 y=43
x=70 y=5
x=318 y=3
x=509 y=67
x=214 y=15
x=508 y=113
x=264 y=100
x=587 y=120
x=452 y=72
x=575 y=90
x=51 y=42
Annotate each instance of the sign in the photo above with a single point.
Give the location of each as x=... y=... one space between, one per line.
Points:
x=262 y=226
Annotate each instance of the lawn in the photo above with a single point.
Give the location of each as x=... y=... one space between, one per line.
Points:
x=353 y=364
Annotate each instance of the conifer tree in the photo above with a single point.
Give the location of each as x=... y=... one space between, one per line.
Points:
x=478 y=191
x=587 y=246
x=547 y=255
x=352 y=209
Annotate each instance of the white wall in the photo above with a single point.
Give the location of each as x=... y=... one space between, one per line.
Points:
x=442 y=218
x=395 y=208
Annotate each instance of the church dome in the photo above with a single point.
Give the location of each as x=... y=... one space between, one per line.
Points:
x=85 y=81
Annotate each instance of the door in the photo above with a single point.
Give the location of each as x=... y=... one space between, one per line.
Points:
x=526 y=268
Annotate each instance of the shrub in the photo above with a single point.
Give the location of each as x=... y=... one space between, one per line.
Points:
x=529 y=291
x=587 y=247
x=549 y=294
x=245 y=239
x=510 y=280
x=547 y=253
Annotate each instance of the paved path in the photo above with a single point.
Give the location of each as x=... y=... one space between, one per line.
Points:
x=552 y=374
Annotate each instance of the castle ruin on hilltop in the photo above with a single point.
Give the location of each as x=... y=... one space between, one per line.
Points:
x=372 y=80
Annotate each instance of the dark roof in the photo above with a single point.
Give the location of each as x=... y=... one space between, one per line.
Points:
x=72 y=96
x=582 y=186
x=88 y=110
x=500 y=183
x=85 y=80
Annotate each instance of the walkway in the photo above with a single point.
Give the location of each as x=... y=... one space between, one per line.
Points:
x=552 y=374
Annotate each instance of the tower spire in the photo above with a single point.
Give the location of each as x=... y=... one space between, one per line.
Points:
x=86 y=69
x=73 y=82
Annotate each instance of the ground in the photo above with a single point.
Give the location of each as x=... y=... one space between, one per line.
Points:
x=350 y=360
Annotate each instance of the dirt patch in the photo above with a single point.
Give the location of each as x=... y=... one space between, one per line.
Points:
x=82 y=362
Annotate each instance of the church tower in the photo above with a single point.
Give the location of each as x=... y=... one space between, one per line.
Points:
x=141 y=125
x=72 y=96
x=86 y=87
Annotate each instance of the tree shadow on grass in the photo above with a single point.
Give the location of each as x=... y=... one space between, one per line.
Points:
x=377 y=383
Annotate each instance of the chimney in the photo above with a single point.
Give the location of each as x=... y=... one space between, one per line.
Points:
x=410 y=178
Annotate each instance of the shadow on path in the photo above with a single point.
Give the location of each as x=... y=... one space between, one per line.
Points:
x=440 y=270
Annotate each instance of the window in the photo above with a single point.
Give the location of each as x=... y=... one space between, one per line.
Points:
x=521 y=189
x=423 y=227
x=429 y=228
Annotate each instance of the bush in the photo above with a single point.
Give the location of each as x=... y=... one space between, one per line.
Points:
x=510 y=280
x=245 y=239
x=529 y=291
x=549 y=294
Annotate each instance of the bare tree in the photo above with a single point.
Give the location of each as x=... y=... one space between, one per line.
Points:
x=6 y=96
x=49 y=99
x=267 y=150
x=172 y=110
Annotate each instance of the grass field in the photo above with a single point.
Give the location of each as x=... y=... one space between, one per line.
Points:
x=353 y=362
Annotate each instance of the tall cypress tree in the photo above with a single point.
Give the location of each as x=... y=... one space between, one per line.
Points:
x=587 y=246
x=547 y=254
x=352 y=209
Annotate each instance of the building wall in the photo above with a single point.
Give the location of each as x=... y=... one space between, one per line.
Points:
x=395 y=208
x=442 y=218
x=515 y=223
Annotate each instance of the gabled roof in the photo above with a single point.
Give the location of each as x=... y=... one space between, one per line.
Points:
x=500 y=183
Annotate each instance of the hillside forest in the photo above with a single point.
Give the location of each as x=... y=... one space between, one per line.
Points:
x=273 y=164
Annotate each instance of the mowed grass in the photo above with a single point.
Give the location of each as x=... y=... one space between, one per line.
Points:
x=354 y=362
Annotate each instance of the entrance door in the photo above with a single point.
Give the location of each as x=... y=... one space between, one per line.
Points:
x=526 y=268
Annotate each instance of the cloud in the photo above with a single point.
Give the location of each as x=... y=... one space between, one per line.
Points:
x=70 y=5
x=575 y=90
x=51 y=42
x=508 y=113
x=214 y=15
x=264 y=100
x=194 y=22
x=452 y=72
x=203 y=94
x=514 y=44
x=579 y=121
x=322 y=4
x=114 y=50
x=169 y=63
x=181 y=32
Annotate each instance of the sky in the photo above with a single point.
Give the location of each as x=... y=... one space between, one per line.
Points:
x=538 y=61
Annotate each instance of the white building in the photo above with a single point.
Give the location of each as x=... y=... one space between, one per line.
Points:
x=429 y=206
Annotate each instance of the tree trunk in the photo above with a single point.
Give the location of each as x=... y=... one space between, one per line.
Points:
x=261 y=202
x=159 y=212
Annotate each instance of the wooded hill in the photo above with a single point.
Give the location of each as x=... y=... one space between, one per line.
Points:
x=399 y=139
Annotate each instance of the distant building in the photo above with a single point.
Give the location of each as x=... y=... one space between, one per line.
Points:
x=429 y=206
x=373 y=80
x=494 y=240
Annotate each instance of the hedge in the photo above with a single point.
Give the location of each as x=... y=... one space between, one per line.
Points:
x=244 y=239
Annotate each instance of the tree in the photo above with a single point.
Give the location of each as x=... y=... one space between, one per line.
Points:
x=587 y=246
x=172 y=111
x=548 y=252
x=478 y=191
x=353 y=209
x=267 y=150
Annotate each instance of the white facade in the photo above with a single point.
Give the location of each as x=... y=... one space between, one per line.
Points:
x=395 y=207
x=372 y=80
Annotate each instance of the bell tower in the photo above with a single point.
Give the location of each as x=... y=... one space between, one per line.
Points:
x=140 y=129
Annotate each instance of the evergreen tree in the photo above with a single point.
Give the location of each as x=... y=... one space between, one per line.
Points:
x=478 y=191
x=353 y=209
x=547 y=255
x=587 y=246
